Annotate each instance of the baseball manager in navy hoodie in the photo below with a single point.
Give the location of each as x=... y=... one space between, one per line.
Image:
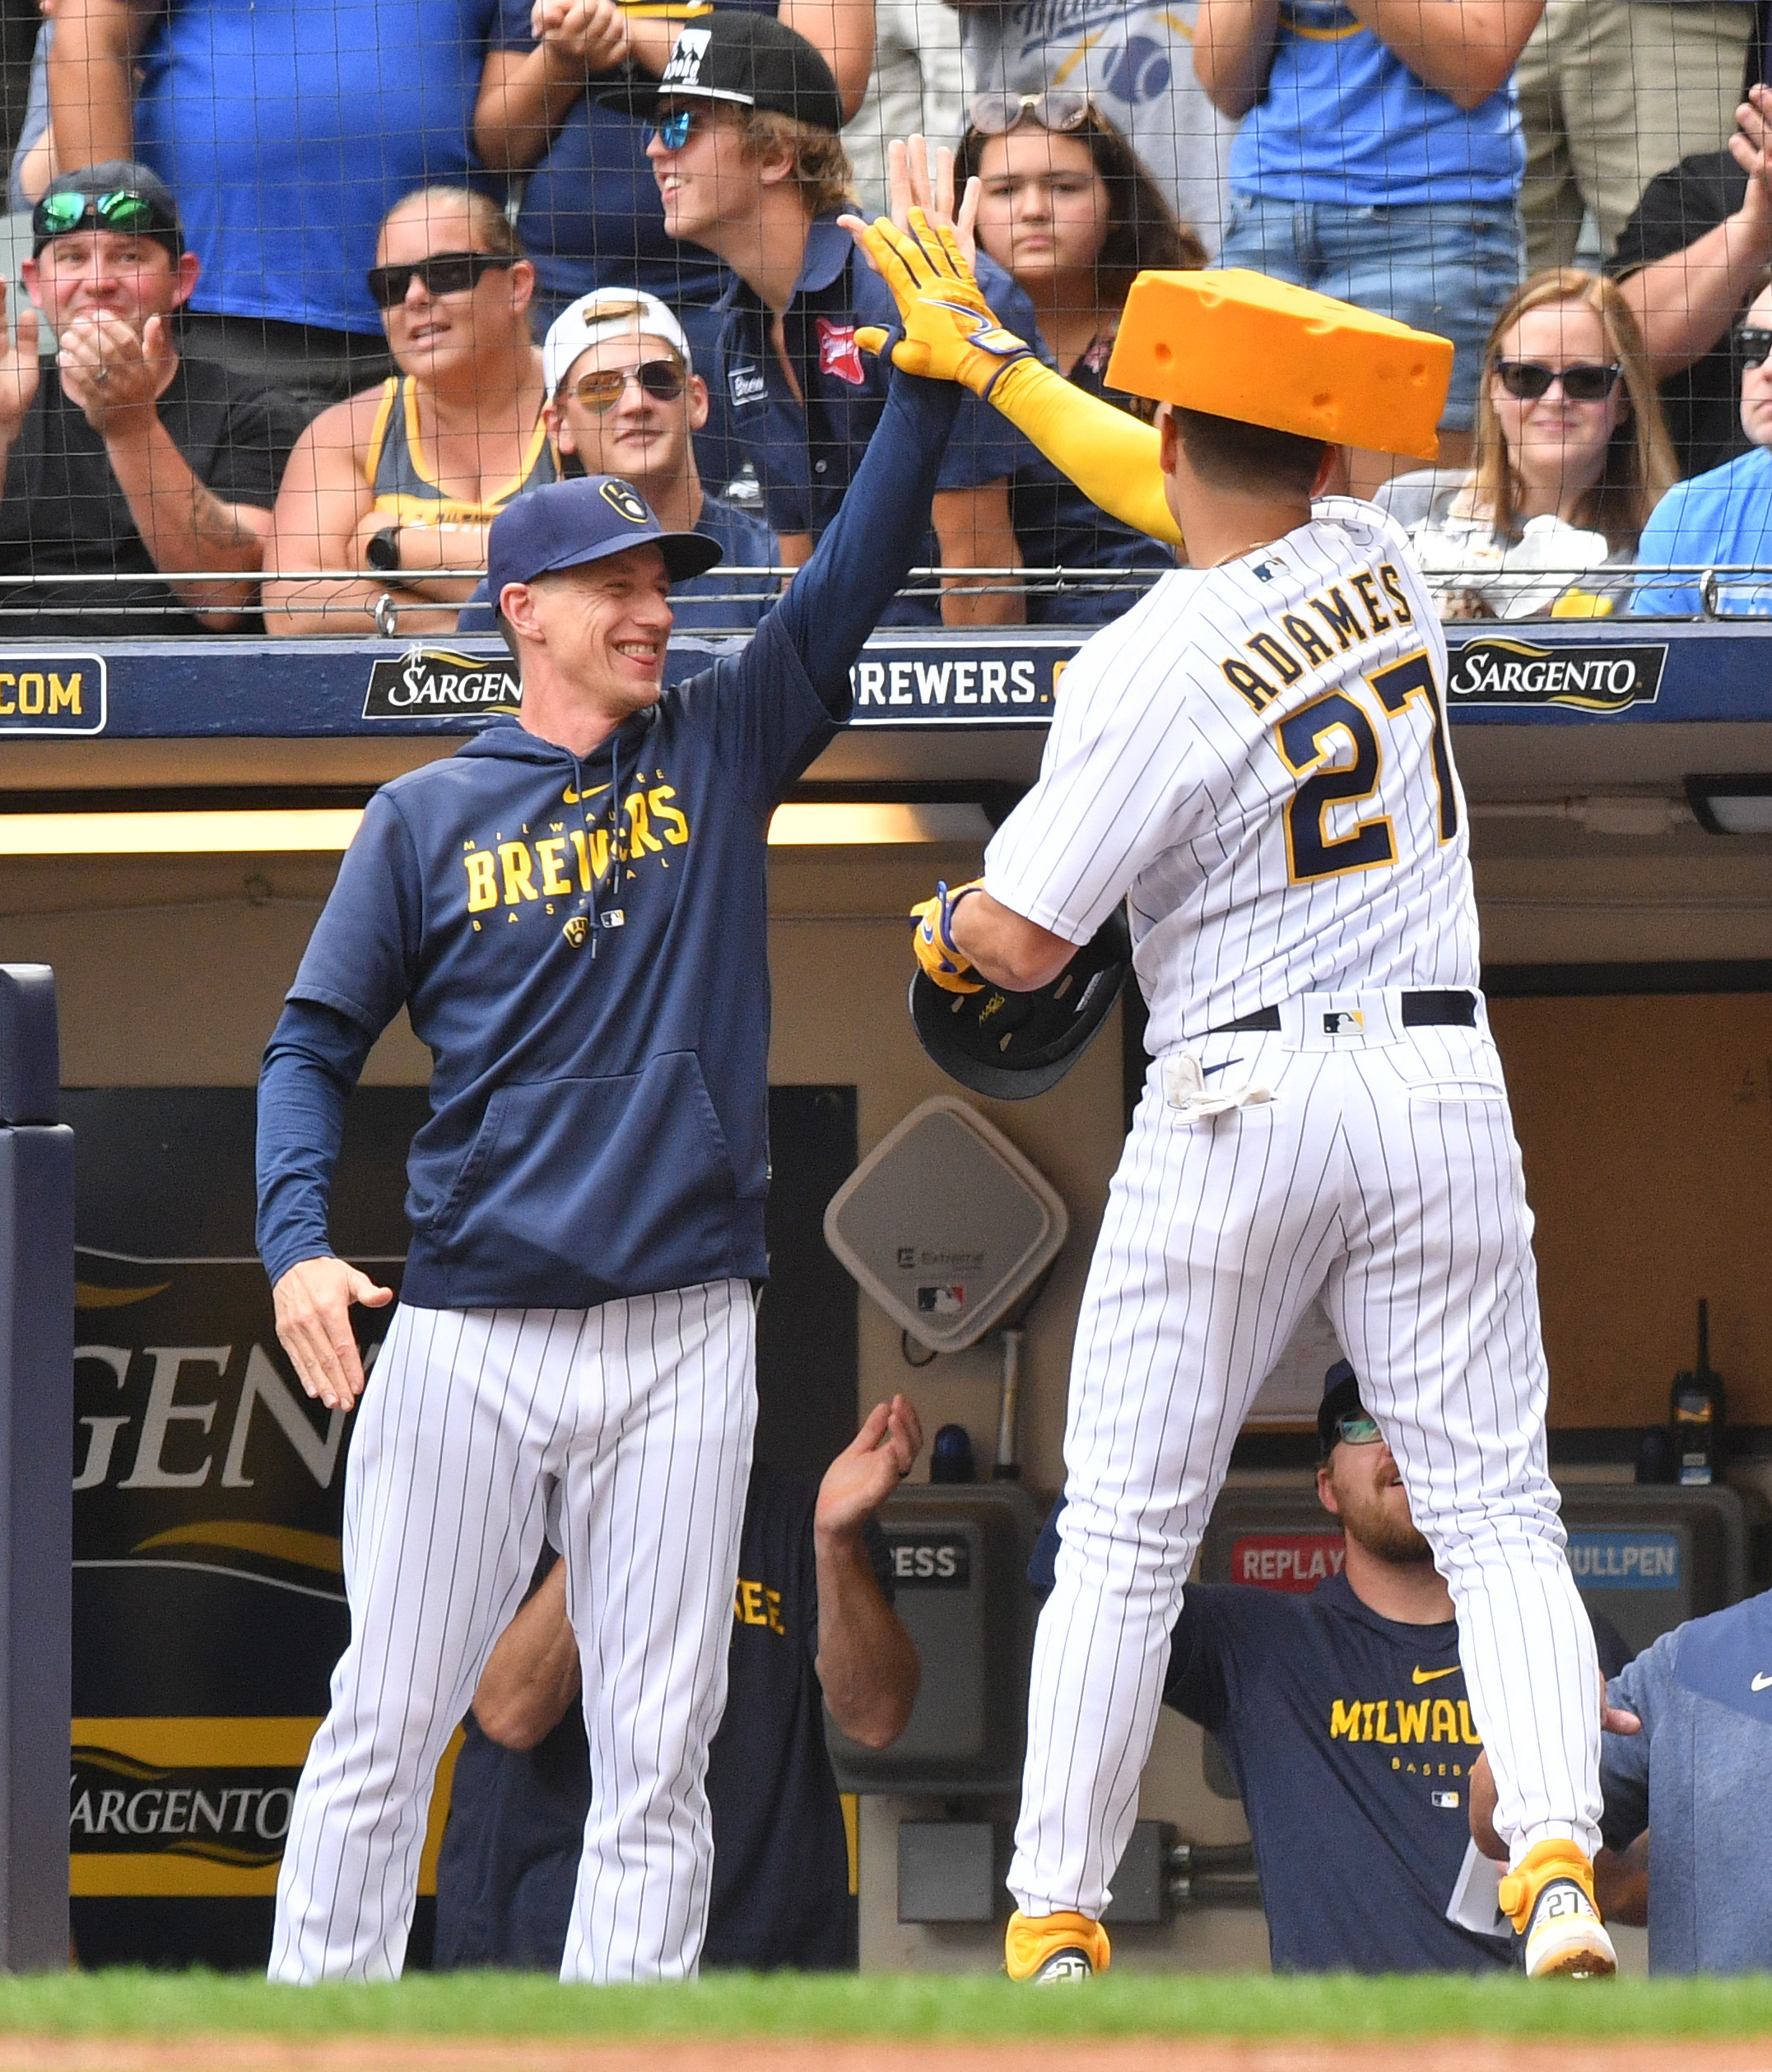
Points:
x=572 y=911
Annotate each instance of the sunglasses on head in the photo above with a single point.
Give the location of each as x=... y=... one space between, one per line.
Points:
x=996 y=114
x=1752 y=345
x=1356 y=1428
x=674 y=131
x=444 y=273
x=664 y=380
x=1526 y=380
x=122 y=211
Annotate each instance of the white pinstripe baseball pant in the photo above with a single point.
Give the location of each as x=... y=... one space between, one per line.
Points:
x=641 y=1414
x=1383 y=1173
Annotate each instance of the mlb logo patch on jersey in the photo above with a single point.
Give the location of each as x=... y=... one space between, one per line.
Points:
x=838 y=352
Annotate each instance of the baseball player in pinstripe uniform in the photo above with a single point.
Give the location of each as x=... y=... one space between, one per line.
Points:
x=572 y=910
x=1256 y=756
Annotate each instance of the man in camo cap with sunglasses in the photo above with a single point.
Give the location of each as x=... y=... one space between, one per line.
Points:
x=123 y=458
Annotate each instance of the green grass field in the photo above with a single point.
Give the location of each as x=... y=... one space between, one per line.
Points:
x=904 y=2007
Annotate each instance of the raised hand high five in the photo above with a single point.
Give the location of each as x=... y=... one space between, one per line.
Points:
x=19 y=369
x=949 y=332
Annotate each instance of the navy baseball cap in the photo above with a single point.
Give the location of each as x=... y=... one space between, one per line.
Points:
x=115 y=195
x=564 y=525
x=1341 y=1398
x=747 y=60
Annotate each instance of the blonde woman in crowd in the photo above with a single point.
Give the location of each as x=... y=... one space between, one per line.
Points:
x=402 y=482
x=1571 y=457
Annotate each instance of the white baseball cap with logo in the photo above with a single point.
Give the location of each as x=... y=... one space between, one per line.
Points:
x=611 y=313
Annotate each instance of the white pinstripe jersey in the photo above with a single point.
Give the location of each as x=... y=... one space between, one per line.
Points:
x=1258 y=756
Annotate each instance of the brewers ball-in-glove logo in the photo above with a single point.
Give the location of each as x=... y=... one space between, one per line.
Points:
x=624 y=498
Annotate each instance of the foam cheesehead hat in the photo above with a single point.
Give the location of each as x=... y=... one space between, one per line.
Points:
x=1236 y=344
x=566 y=524
x=745 y=60
x=611 y=313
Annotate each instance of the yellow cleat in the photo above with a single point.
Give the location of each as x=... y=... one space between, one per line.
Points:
x=1054 y=1949
x=1549 y=1895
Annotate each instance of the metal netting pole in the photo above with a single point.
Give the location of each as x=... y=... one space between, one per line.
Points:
x=36 y=1474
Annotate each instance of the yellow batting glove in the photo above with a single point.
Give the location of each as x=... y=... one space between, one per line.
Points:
x=950 y=332
x=933 y=940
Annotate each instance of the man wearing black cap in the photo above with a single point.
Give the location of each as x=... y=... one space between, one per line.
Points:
x=122 y=457
x=1344 y=1718
x=572 y=912
x=744 y=144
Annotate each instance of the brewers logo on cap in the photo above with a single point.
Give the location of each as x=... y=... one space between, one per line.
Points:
x=621 y=497
x=685 y=67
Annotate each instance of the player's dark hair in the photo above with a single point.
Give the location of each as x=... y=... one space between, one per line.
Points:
x=1228 y=454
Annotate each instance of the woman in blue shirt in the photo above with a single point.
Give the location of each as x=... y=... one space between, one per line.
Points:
x=1379 y=161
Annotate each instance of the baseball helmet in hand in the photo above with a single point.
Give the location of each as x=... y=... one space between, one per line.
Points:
x=1010 y=1046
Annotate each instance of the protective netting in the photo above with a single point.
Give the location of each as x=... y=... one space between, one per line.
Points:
x=298 y=289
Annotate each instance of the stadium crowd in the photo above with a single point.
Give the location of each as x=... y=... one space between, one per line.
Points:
x=367 y=253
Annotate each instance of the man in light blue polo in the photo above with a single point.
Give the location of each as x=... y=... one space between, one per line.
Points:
x=1722 y=520
x=1693 y=1778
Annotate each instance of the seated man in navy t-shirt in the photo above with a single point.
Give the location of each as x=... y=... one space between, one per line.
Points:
x=1344 y=1717
x=624 y=398
x=813 y=1627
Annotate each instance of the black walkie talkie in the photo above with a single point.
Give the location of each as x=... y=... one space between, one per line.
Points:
x=1698 y=1414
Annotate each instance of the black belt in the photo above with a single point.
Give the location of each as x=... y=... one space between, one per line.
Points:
x=1419 y=1011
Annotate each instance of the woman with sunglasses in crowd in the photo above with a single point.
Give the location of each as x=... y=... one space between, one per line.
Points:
x=1063 y=205
x=1571 y=457
x=402 y=482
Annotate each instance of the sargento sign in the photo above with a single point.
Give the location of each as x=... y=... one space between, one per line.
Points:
x=1494 y=671
x=425 y=681
x=52 y=694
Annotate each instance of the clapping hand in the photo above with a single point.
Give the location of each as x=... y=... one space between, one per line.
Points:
x=1751 y=147
x=914 y=181
x=20 y=368
x=592 y=32
x=110 y=372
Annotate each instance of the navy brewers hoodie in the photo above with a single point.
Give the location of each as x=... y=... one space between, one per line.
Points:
x=582 y=945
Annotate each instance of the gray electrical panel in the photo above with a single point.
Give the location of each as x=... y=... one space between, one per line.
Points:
x=960 y=1555
x=946 y=1224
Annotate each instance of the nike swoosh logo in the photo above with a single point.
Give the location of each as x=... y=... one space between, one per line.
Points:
x=1206 y=1070
x=570 y=798
x=1430 y=1675
x=1761 y=1684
